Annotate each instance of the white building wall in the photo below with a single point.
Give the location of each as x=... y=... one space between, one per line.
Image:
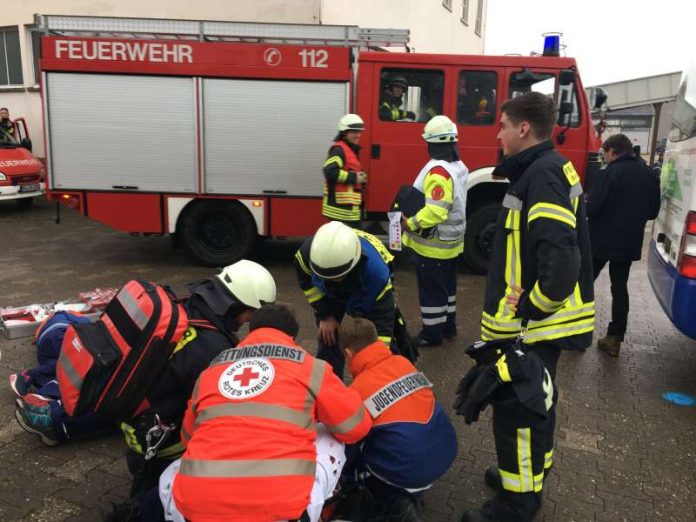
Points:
x=434 y=29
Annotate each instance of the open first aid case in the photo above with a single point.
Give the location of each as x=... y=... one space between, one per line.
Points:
x=22 y=321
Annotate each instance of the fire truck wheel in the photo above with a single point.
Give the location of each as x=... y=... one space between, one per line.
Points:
x=25 y=203
x=217 y=232
x=478 y=240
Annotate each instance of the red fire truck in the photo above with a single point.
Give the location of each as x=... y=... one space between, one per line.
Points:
x=216 y=131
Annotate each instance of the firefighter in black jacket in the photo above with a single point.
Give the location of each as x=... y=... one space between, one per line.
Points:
x=540 y=274
x=217 y=308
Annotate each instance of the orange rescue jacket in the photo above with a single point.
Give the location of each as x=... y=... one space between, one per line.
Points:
x=250 y=428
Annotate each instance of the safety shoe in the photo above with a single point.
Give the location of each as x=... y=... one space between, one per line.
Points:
x=419 y=341
x=611 y=345
x=402 y=508
x=450 y=334
x=20 y=383
x=126 y=511
x=492 y=478
x=35 y=417
x=495 y=510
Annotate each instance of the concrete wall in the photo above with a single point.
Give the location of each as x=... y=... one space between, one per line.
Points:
x=433 y=28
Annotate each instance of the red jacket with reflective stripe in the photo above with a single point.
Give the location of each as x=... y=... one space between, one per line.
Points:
x=250 y=427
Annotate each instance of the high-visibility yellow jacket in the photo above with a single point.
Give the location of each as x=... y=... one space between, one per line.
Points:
x=342 y=193
x=444 y=186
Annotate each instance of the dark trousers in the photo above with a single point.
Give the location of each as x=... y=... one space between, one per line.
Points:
x=619 y=272
x=437 y=296
x=524 y=442
x=331 y=353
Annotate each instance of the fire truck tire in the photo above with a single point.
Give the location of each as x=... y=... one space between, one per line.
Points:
x=217 y=232
x=478 y=239
x=25 y=203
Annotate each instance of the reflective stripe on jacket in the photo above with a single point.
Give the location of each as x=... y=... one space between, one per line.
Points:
x=541 y=245
x=412 y=442
x=444 y=185
x=342 y=193
x=250 y=427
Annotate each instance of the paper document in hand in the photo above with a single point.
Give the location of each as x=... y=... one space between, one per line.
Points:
x=394 y=230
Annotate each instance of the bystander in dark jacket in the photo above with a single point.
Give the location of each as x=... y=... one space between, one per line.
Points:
x=623 y=198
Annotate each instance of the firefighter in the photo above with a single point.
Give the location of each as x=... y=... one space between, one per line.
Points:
x=251 y=425
x=6 y=123
x=392 y=100
x=217 y=308
x=344 y=177
x=346 y=271
x=436 y=232
x=412 y=442
x=540 y=273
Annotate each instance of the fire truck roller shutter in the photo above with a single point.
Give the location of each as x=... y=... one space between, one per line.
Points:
x=269 y=135
x=112 y=130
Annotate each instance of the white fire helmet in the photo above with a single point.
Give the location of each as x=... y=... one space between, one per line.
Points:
x=440 y=129
x=351 y=122
x=335 y=250
x=250 y=283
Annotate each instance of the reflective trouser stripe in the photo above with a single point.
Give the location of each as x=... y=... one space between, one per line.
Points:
x=433 y=309
x=254 y=409
x=349 y=424
x=452 y=304
x=524 y=458
x=512 y=482
x=430 y=321
x=246 y=468
x=548 y=459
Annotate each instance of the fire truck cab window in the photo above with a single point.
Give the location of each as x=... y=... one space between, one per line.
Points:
x=410 y=95
x=476 y=97
x=545 y=83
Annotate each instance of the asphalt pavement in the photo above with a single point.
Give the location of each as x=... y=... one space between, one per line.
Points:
x=623 y=451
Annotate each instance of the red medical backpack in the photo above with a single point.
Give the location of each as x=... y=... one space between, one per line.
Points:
x=108 y=366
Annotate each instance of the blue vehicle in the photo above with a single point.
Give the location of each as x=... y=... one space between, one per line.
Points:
x=672 y=258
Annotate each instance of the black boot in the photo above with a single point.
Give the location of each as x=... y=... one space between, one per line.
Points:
x=126 y=511
x=498 y=510
x=402 y=508
x=492 y=478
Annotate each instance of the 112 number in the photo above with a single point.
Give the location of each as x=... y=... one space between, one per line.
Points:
x=314 y=58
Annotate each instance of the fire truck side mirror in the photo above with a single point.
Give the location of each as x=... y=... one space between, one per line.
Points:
x=26 y=143
x=567 y=76
x=598 y=97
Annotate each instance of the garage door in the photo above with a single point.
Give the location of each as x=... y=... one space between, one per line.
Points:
x=269 y=136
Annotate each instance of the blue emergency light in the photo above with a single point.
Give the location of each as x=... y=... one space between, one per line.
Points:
x=552 y=44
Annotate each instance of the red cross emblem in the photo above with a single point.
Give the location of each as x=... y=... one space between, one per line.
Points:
x=246 y=376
